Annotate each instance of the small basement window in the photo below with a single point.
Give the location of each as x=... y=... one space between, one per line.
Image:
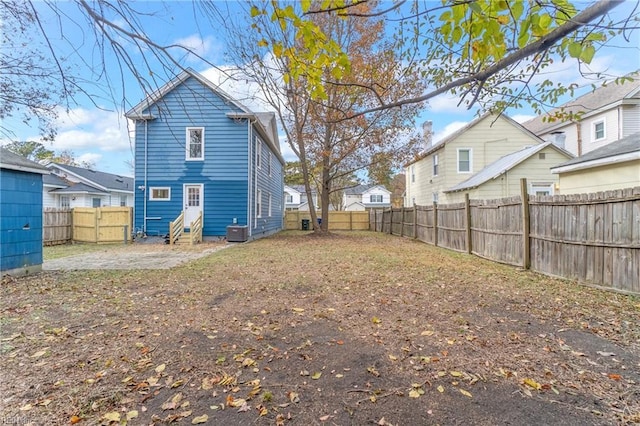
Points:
x=160 y=194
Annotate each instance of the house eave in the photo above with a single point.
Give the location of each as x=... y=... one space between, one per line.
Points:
x=631 y=156
x=263 y=132
x=23 y=169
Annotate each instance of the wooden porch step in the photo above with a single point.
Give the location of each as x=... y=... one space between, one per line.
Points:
x=185 y=238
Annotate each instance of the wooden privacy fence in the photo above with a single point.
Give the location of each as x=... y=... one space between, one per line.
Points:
x=594 y=238
x=57 y=227
x=102 y=224
x=338 y=220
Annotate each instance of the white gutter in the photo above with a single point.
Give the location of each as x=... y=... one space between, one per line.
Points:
x=598 y=162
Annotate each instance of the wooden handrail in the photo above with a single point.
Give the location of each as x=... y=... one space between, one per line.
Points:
x=176 y=228
x=195 y=232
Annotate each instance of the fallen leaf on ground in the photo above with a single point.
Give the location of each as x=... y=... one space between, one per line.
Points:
x=113 y=416
x=532 y=383
x=615 y=376
x=316 y=376
x=200 y=419
x=465 y=393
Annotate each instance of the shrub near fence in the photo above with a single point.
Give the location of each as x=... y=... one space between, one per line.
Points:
x=593 y=238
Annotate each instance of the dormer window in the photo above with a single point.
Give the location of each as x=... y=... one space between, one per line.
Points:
x=598 y=130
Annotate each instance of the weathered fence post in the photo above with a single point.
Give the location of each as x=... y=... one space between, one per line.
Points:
x=467 y=220
x=435 y=224
x=415 y=221
x=526 y=248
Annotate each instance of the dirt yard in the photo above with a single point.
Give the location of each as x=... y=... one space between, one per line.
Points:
x=351 y=329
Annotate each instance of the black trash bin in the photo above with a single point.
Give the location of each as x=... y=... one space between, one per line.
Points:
x=305 y=224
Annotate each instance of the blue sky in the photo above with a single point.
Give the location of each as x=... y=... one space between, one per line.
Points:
x=97 y=131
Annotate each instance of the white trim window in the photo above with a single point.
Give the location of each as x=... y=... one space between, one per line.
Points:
x=259 y=203
x=269 y=164
x=160 y=193
x=289 y=199
x=375 y=198
x=65 y=202
x=413 y=174
x=269 y=205
x=194 y=145
x=465 y=156
x=435 y=164
x=258 y=153
x=541 y=189
x=123 y=201
x=599 y=130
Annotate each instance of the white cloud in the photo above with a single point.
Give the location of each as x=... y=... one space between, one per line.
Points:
x=447 y=103
x=90 y=158
x=521 y=118
x=95 y=129
x=207 y=47
x=448 y=130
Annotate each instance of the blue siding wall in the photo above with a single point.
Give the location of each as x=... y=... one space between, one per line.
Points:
x=270 y=180
x=224 y=169
x=20 y=219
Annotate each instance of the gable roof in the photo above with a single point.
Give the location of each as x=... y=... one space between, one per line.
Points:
x=265 y=122
x=605 y=97
x=53 y=180
x=439 y=145
x=80 y=187
x=502 y=165
x=13 y=161
x=624 y=149
x=361 y=189
x=100 y=180
x=136 y=113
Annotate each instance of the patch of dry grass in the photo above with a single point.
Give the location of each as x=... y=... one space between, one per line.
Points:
x=356 y=325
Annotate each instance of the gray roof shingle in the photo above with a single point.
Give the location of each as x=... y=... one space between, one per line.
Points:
x=500 y=166
x=10 y=160
x=622 y=146
x=106 y=180
x=601 y=97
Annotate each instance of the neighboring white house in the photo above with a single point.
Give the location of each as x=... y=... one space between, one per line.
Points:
x=609 y=113
x=613 y=166
x=69 y=186
x=486 y=159
x=366 y=197
x=295 y=198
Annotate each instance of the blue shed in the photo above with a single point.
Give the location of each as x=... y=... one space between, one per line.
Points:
x=20 y=214
x=199 y=150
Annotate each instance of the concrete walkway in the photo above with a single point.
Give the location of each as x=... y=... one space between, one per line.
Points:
x=146 y=258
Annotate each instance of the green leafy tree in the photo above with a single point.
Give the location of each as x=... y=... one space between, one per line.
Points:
x=293 y=173
x=485 y=51
x=34 y=151
x=331 y=146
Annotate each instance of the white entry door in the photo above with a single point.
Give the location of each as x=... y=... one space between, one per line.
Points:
x=192 y=202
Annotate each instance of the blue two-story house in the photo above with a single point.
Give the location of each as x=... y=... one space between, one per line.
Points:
x=199 y=150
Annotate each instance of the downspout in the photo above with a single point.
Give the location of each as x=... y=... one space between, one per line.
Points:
x=146 y=190
x=255 y=182
x=249 y=169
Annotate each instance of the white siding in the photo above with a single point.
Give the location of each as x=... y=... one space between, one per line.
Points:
x=630 y=119
x=605 y=178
